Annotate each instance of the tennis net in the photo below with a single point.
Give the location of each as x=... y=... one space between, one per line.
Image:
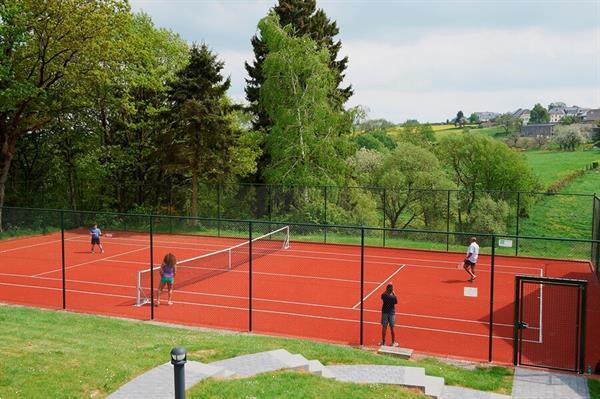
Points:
x=198 y=268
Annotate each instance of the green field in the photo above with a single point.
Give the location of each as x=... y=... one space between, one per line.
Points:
x=564 y=216
x=65 y=355
x=551 y=166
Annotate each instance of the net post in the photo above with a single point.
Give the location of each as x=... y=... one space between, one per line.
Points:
x=250 y=276
x=151 y=268
x=62 y=251
x=362 y=283
x=138 y=296
x=492 y=298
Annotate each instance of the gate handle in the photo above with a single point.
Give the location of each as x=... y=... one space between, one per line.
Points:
x=522 y=325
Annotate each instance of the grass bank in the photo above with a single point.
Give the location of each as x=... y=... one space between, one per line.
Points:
x=66 y=355
x=551 y=166
x=564 y=216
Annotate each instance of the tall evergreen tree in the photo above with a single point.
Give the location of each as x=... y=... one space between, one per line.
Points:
x=202 y=139
x=305 y=20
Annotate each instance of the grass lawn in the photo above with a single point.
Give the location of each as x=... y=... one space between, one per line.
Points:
x=564 y=216
x=66 y=355
x=550 y=166
x=594 y=387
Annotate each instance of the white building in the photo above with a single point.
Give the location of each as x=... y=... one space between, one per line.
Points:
x=556 y=114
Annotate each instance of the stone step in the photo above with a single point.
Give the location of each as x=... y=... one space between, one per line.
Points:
x=317 y=368
x=263 y=362
x=296 y=362
x=433 y=386
x=403 y=353
x=158 y=382
x=397 y=375
x=451 y=392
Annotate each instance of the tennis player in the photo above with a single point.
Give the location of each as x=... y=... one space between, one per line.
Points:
x=388 y=313
x=96 y=233
x=167 y=277
x=471 y=259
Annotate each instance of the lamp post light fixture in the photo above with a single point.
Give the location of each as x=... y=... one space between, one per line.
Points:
x=178 y=360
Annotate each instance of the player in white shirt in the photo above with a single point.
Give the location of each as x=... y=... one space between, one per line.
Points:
x=471 y=259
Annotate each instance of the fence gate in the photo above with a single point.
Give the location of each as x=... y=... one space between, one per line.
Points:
x=549 y=328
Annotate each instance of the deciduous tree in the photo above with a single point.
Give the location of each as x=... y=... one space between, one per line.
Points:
x=46 y=47
x=539 y=114
x=308 y=142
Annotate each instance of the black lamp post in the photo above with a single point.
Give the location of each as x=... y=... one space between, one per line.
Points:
x=178 y=360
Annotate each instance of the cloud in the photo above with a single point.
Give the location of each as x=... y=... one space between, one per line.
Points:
x=398 y=106
x=411 y=59
x=489 y=69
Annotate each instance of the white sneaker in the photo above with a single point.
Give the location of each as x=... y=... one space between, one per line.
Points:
x=394 y=343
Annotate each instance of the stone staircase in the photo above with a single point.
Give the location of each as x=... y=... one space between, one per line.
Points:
x=158 y=382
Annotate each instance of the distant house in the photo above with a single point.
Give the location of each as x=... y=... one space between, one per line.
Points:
x=556 y=114
x=537 y=129
x=486 y=116
x=572 y=111
x=523 y=115
x=592 y=116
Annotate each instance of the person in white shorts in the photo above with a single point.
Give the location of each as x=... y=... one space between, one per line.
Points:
x=471 y=259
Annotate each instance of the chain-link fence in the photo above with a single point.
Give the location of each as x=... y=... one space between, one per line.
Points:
x=518 y=213
x=320 y=281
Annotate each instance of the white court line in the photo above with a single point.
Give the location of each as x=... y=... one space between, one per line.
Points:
x=88 y=262
x=393 y=259
x=268 y=311
x=379 y=286
x=34 y=245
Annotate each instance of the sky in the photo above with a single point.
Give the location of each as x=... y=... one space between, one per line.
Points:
x=425 y=59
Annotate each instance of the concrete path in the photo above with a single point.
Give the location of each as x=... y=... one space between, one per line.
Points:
x=539 y=384
x=528 y=384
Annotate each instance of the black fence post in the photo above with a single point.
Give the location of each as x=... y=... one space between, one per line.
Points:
x=151 y=268
x=362 y=283
x=516 y=321
x=325 y=216
x=593 y=257
x=270 y=206
x=384 y=209
x=448 y=222
x=517 y=230
x=249 y=276
x=62 y=250
x=492 y=272
x=583 y=290
x=219 y=210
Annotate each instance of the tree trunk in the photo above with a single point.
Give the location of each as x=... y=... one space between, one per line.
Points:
x=7 y=150
x=194 y=192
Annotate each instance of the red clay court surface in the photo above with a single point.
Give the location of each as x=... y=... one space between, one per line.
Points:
x=309 y=290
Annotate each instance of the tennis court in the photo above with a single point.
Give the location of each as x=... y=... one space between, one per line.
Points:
x=328 y=292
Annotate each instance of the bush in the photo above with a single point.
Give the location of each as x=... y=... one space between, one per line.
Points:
x=489 y=216
x=568 y=139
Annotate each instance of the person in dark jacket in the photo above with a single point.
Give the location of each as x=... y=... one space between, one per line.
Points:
x=388 y=313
